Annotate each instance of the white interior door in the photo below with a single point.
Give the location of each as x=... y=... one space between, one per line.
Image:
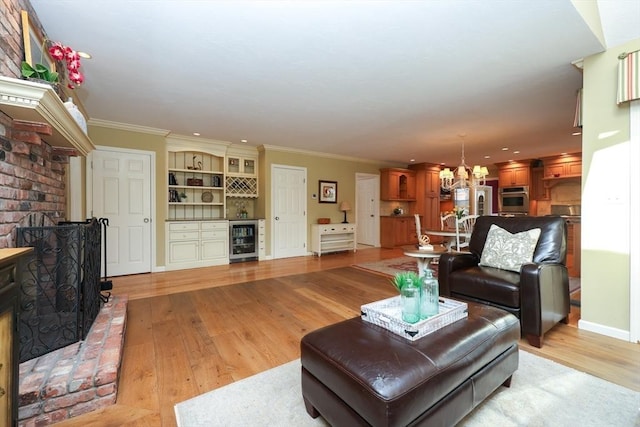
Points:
x=289 y=211
x=121 y=192
x=368 y=209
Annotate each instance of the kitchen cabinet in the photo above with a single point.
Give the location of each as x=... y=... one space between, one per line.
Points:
x=567 y=166
x=427 y=194
x=538 y=190
x=573 y=248
x=513 y=174
x=397 y=231
x=397 y=184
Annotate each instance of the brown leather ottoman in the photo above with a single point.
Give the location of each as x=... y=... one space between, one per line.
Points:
x=356 y=373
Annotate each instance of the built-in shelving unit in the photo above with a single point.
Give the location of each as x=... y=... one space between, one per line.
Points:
x=199 y=176
x=241 y=173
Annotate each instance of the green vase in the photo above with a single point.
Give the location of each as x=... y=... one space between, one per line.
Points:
x=410 y=300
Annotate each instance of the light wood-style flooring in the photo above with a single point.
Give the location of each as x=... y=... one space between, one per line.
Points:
x=191 y=331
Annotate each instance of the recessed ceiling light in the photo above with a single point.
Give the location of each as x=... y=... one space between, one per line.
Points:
x=505 y=148
x=84 y=55
x=516 y=152
x=487 y=157
x=576 y=133
x=243 y=140
x=196 y=134
x=412 y=160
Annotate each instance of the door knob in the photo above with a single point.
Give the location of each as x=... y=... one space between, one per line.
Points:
x=146 y=220
x=277 y=218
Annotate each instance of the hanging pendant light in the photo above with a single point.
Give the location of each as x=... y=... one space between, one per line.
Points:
x=450 y=181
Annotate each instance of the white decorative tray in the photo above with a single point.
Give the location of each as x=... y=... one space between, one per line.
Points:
x=387 y=313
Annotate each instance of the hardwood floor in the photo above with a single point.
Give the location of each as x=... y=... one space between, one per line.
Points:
x=191 y=331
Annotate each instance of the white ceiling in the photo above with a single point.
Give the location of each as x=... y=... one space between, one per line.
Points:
x=383 y=80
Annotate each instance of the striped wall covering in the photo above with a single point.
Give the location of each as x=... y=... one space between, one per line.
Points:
x=629 y=77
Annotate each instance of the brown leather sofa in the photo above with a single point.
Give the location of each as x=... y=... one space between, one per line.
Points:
x=538 y=295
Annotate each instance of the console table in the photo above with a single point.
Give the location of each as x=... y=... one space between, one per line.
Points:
x=327 y=238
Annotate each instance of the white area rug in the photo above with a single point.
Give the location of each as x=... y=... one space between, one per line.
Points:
x=542 y=393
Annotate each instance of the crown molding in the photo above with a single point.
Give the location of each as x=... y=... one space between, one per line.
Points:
x=266 y=147
x=128 y=127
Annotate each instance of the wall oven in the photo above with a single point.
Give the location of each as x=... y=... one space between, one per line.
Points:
x=514 y=200
x=243 y=240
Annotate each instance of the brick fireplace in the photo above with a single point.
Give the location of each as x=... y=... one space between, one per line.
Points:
x=35 y=148
x=32 y=176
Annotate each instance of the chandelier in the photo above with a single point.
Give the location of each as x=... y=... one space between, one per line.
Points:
x=460 y=179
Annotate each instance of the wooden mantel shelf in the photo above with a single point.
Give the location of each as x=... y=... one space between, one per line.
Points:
x=36 y=102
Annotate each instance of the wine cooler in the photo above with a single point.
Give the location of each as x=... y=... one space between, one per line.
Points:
x=243 y=242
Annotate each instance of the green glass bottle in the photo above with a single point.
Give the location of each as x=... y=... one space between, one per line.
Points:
x=429 y=305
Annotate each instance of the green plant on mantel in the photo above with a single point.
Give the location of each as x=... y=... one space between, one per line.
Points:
x=405 y=279
x=39 y=72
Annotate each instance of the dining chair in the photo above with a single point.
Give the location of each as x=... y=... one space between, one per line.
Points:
x=423 y=239
x=464 y=225
x=448 y=222
x=418 y=225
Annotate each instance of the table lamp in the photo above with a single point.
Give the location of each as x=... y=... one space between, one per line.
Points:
x=344 y=207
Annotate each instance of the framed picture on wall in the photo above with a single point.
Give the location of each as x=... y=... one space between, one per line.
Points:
x=35 y=47
x=328 y=191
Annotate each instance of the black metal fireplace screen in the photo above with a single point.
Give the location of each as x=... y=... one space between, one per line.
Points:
x=60 y=288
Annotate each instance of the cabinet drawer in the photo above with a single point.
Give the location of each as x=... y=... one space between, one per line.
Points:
x=183 y=226
x=185 y=235
x=214 y=234
x=337 y=228
x=215 y=226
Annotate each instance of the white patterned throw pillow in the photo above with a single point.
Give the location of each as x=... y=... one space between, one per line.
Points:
x=509 y=251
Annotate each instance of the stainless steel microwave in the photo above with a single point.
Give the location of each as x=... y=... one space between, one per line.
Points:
x=514 y=199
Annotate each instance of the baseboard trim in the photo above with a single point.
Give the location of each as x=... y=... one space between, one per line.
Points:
x=604 y=330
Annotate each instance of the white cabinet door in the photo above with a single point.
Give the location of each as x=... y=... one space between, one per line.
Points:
x=214 y=249
x=185 y=251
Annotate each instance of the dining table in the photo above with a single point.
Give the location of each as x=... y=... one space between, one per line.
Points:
x=449 y=236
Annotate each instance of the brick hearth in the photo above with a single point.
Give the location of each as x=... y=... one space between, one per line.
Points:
x=76 y=379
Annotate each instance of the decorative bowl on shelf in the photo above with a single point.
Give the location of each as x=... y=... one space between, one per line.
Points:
x=207 y=197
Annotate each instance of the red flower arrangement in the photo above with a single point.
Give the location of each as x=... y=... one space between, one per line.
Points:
x=60 y=53
x=72 y=59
